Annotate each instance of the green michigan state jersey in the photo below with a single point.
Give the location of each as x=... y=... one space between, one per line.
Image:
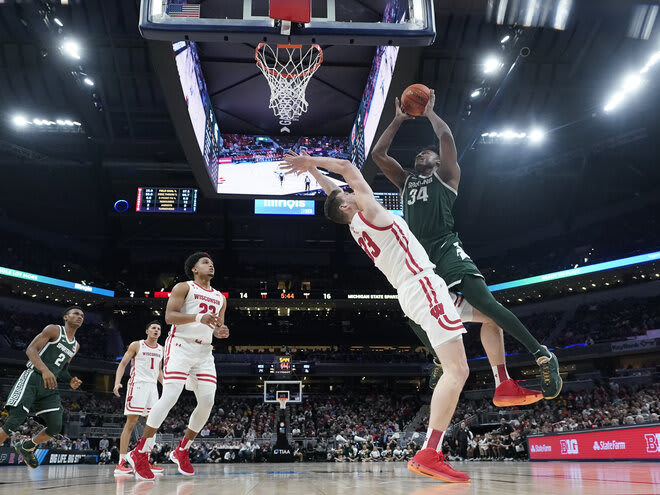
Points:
x=427 y=204
x=56 y=354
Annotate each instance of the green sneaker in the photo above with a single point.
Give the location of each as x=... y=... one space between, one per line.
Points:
x=435 y=374
x=551 y=381
x=28 y=455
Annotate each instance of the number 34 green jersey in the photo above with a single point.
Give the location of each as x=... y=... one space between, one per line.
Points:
x=427 y=204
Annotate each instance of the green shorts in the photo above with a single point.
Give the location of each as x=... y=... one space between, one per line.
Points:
x=28 y=396
x=452 y=263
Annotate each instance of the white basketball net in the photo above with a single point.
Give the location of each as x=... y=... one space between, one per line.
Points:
x=288 y=72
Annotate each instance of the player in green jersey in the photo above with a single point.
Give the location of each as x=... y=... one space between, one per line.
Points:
x=35 y=392
x=428 y=196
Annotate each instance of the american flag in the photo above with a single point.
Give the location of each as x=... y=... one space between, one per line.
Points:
x=182 y=10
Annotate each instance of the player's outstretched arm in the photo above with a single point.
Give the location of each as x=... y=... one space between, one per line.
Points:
x=50 y=333
x=173 y=314
x=130 y=353
x=325 y=182
x=296 y=164
x=449 y=170
x=390 y=167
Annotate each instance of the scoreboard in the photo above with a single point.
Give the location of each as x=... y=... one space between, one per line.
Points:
x=391 y=201
x=166 y=200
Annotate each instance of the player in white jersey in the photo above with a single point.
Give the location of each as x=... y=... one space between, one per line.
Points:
x=422 y=294
x=197 y=314
x=145 y=357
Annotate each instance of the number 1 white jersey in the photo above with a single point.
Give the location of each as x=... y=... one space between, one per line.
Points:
x=198 y=300
x=145 y=366
x=394 y=249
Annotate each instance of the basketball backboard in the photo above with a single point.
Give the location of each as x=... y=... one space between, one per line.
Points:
x=274 y=389
x=339 y=22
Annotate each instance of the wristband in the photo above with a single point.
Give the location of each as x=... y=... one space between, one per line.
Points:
x=198 y=317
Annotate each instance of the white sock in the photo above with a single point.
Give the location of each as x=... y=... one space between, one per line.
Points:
x=500 y=373
x=122 y=458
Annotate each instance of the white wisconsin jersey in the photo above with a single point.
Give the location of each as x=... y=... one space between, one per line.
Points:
x=394 y=249
x=198 y=300
x=145 y=366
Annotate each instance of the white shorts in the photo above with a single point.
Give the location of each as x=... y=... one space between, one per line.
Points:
x=464 y=308
x=189 y=362
x=140 y=397
x=426 y=300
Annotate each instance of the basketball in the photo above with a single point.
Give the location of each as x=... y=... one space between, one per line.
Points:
x=414 y=99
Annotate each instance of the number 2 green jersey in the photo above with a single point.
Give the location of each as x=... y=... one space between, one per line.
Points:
x=56 y=354
x=427 y=204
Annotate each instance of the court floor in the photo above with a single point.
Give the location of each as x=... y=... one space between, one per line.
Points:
x=335 y=479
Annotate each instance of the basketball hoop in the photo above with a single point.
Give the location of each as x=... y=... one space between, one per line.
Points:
x=288 y=71
x=283 y=401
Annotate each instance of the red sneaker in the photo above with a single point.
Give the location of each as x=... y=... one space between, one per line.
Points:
x=181 y=459
x=509 y=393
x=123 y=468
x=428 y=462
x=140 y=463
x=156 y=469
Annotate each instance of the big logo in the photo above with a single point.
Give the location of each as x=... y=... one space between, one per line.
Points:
x=652 y=443
x=569 y=446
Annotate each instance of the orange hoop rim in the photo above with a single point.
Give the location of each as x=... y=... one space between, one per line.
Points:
x=282 y=401
x=273 y=72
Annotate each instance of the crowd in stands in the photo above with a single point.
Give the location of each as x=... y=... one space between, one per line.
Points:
x=369 y=427
x=605 y=405
x=19 y=328
x=614 y=320
x=356 y=332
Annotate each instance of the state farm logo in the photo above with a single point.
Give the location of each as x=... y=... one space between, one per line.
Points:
x=569 y=446
x=652 y=443
x=611 y=445
x=541 y=448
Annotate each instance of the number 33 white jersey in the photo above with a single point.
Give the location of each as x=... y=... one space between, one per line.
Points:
x=394 y=249
x=198 y=300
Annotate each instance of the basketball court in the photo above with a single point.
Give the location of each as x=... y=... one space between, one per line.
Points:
x=341 y=479
x=287 y=75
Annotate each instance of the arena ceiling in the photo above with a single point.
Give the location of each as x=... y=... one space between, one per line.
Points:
x=590 y=160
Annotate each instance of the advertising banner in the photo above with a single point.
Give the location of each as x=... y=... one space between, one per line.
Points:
x=638 y=442
x=9 y=457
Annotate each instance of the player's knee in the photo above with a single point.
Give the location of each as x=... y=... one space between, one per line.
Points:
x=131 y=420
x=458 y=372
x=171 y=393
x=205 y=400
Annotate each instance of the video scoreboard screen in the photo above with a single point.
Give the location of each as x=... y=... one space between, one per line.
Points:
x=391 y=201
x=166 y=200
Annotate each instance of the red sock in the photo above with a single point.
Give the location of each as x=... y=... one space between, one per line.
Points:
x=434 y=439
x=184 y=444
x=500 y=373
x=140 y=445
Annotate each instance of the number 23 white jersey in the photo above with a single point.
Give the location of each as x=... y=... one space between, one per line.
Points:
x=198 y=300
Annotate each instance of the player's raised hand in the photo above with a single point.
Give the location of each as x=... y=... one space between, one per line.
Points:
x=116 y=389
x=430 y=104
x=50 y=382
x=221 y=332
x=75 y=382
x=400 y=114
x=295 y=163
